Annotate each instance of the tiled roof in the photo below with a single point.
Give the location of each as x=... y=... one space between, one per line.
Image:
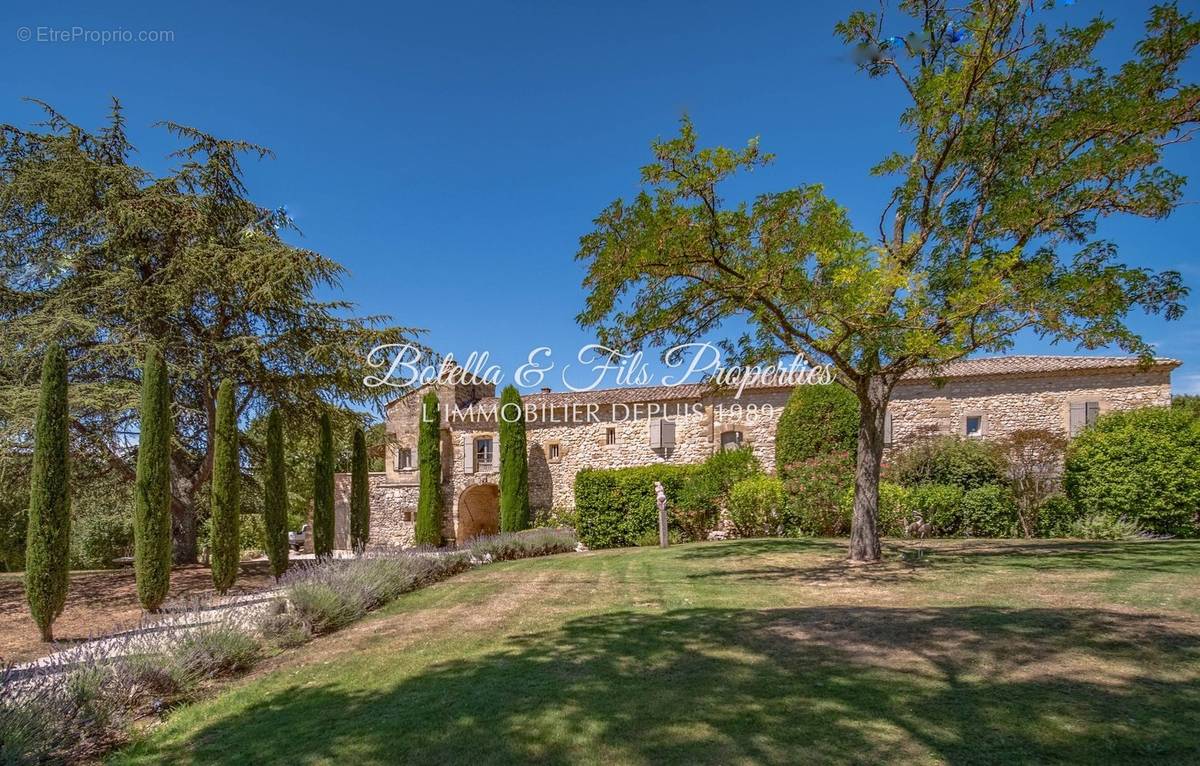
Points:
x=1030 y=364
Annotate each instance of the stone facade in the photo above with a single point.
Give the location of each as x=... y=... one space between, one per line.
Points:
x=616 y=428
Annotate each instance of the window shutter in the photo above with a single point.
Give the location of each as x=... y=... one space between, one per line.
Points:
x=668 y=433
x=1078 y=418
x=468 y=454
x=496 y=450
x=887 y=428
x=656 y=440
x=1091 y=412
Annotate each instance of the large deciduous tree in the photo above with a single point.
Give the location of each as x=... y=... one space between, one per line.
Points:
x=107 y=258
x=49 y=532
x=152 y=487
x=514 y=462
x=1019 y=143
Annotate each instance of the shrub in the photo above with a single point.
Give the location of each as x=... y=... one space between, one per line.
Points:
x=275 y=497
x=428 y=529
x=814 y=490
x=1141 y=464
x=100 y=537
x=1033 y=459
x=556 y=517
x=285 y=629
x=756 y=506
x=152 y=486
x=989 y=511
x=1056 y=515
x=617 y=506
x=816 y=420
x=153 y=675
x=1101 y=526
x=514 y=462
x=360 y=494
x=706 y=492
x=649 y=538
x=322 y=523
x=214 y=650
x=938 y=504
x=962 y=462
x=226 y=544
x=528 y=543
x=47 y=547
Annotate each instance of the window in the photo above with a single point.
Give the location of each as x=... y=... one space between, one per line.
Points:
x=1083 y=414
x=483 y=452
x=731 y=440
x=974 y=425
x=610 y=436
x=404 y=459
x=553 y=452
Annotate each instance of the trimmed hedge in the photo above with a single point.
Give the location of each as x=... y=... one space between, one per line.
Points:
x=962 y=462
x=756 y=507
x=616 y=507
x=989 y=511
x=816 y=420
x=1141 y=464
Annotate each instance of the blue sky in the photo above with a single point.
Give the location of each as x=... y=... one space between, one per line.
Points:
x=439 y=150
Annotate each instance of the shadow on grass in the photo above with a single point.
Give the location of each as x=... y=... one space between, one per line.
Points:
x=817 y=685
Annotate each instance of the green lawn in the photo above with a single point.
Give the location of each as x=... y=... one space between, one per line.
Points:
x=752 y=651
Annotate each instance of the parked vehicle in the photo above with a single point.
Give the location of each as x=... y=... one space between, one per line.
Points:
x=296 y=540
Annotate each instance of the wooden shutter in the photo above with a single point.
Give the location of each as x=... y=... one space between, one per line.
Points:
x=1078 y=418
x=887 y=428
x=1091 y=411
x=468 y=454
x=667 y=428
x=496 y=449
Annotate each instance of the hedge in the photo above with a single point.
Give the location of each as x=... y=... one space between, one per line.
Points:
x=816 y=420
x=616 y=507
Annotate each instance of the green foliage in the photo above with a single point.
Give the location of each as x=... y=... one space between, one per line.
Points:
x=989 y=511
x=1056 y=516
x=697 y=509
x=226 y=504
x=275 y=497
x=216 y=649
x=965 y=463
x=817 y=419
x=47 y=546
x=14 y=517
x=514 y=462
x=1141 y=464
x=322 y=515
x=360 y=495
x=152 y=486
x=1102 y=526
x=938 y=504
x=895 y=507
x=180 y=257
x=814 y=490
x=617 y=507
x=428 y=528
x=99 y=537
x=756 y=507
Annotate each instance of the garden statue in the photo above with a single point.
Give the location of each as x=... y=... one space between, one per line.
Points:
x=660 y=497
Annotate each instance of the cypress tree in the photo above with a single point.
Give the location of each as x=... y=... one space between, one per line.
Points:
x=429 y=462
x=275 y=497
x=322 y=525
x=152 y=487
x=48 y=535
x=225 y=543
x=360 y=498
x=514 y=462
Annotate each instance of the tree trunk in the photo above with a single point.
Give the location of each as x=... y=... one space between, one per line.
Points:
x=183 y=532
x=864 y=525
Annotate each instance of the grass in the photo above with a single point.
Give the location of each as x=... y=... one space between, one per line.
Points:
x=751 y=651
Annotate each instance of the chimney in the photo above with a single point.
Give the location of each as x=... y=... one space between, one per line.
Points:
x=545 y=389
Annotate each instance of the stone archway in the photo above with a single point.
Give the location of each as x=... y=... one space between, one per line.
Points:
x=478 y=512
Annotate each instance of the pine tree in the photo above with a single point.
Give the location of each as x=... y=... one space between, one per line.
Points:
x=360 y=498
x=275 y=496
x=225 y=542
x=152 y=488
x=514 y=463
x=49 y=531
x=429 y=462
x=322 y=524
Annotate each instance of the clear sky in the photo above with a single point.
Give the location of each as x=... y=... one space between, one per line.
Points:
x=451 y=154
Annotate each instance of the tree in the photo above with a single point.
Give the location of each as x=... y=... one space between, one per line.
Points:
x=275 y=496
x=152 y=488
x=1019 y=143
x=323 y=521
x=108 y=259
x=817 y=419
x=47 y=546
x=226 y=489
x=514 y=462
x=360 y=495
x=428 y=529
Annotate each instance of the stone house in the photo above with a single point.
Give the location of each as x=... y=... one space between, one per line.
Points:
x=620 y=427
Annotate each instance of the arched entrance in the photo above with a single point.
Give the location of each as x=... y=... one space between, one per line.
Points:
x=478 y=512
